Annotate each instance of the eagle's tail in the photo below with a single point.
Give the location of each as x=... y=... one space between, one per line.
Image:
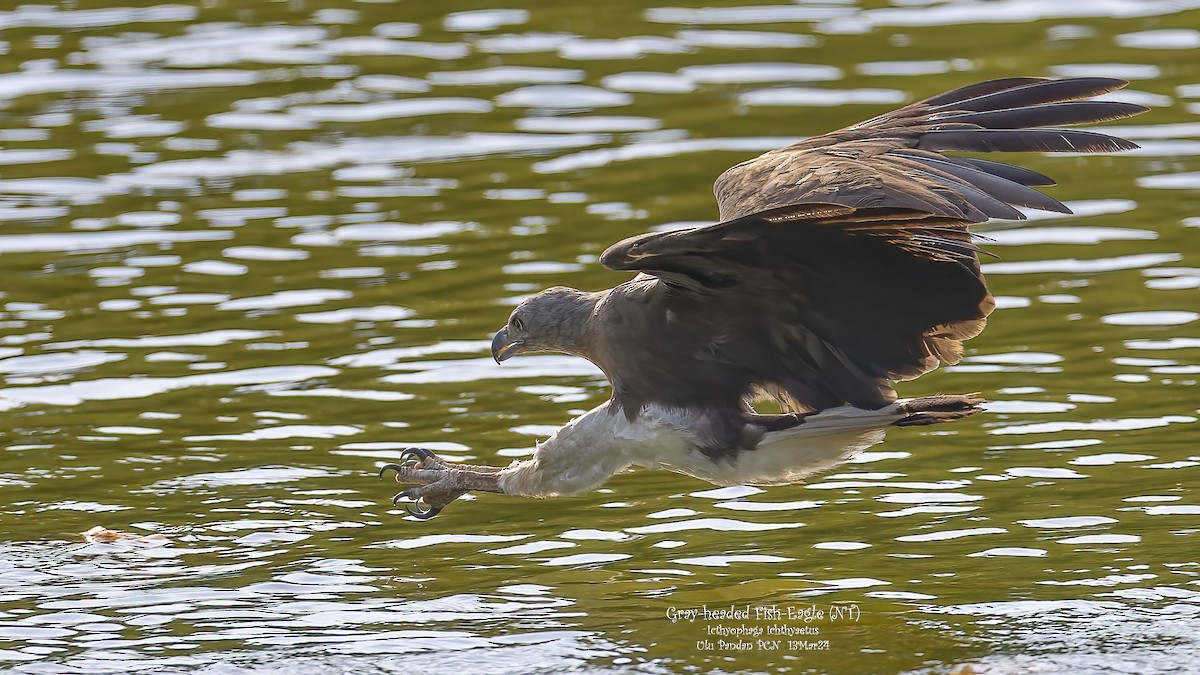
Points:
x=905 y=412
x=940 y=408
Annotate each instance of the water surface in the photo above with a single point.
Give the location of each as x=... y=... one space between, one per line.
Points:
x=252 y=250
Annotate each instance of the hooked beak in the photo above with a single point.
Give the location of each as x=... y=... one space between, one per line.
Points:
x=502 y=348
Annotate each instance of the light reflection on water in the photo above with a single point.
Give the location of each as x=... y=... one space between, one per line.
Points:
x=250 y=253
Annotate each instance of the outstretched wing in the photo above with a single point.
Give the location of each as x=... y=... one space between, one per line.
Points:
x=844 y=263
x=894 y=160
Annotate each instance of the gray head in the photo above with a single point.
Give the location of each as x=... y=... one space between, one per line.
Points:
x=551 y=321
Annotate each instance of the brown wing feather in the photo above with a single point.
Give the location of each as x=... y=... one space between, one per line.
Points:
x=893 y=159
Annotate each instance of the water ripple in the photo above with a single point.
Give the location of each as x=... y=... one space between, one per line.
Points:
x=252 y=252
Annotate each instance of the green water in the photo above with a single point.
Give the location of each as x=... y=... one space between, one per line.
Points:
x=251 y=250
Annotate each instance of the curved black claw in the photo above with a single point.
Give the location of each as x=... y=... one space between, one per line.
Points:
x=420 y=453
x=393 y=467
x=410 y=458
x=414 y=507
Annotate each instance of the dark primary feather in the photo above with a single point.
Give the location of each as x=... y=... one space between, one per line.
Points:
x=1016 y=174
x=843 y=262
x=1029 y=92
x=1068 y=112
x=1022 y=140
x=982 y=88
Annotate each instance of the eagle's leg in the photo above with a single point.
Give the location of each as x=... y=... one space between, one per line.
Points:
x=437 y=481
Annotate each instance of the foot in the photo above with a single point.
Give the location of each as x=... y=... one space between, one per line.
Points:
x=437 y=481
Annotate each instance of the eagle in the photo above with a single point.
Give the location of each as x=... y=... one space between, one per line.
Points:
x=841 y=265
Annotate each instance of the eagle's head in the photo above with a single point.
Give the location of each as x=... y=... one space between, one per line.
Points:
x=553 y=320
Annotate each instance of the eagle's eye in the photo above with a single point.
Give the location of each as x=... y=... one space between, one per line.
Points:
x=518 y=324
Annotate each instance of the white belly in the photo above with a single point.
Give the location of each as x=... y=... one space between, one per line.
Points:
x=584 y=453
x=782 y=457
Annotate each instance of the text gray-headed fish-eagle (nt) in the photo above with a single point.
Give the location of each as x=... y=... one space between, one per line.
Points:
x=842 y=265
